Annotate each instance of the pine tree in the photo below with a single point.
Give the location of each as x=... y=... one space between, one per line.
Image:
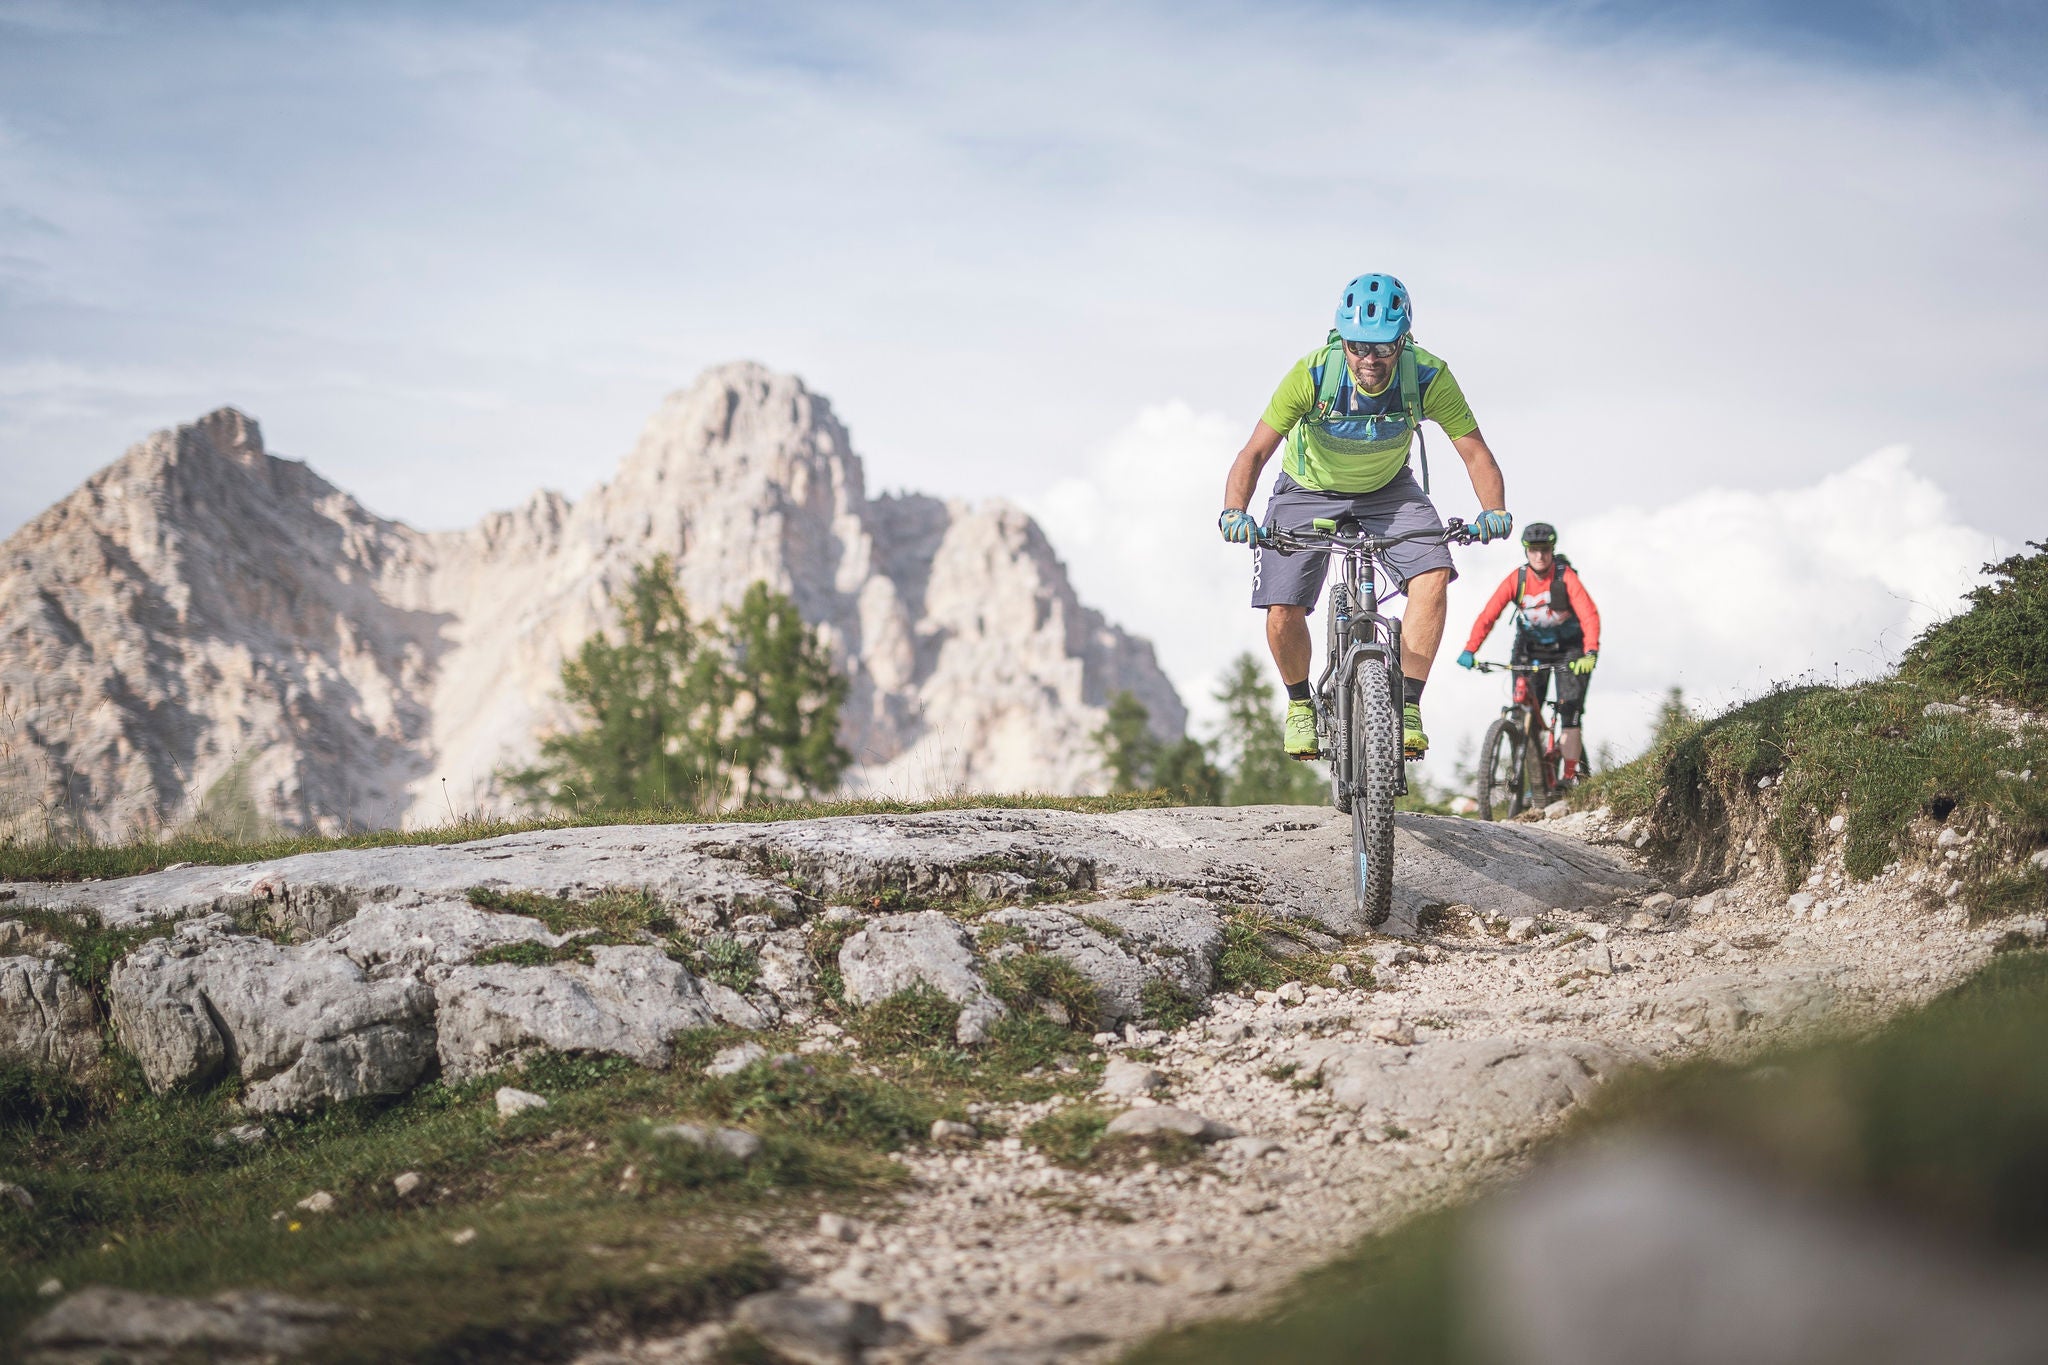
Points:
x=666 y=717
x=1138 y=761
x=784 y=700
x=646 y=707
x=1249 y=743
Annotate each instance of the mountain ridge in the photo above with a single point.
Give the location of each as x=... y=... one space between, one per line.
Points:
x=202 y=612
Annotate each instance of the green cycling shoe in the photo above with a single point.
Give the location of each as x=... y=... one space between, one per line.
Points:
x=1300 y=736
x=1414 y=743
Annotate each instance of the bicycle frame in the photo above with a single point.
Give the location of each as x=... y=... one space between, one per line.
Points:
x=1358 y=629
x=1535 y=720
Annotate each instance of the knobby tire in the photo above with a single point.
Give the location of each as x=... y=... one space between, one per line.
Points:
x=1499 y=777
x=1375 y=737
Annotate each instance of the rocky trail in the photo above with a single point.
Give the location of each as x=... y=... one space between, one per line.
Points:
x=1526 y=965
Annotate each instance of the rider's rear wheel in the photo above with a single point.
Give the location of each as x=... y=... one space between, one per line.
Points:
x=1500 y=770
x=1376 y=765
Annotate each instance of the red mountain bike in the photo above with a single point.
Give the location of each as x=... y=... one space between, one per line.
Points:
x=1519 y=760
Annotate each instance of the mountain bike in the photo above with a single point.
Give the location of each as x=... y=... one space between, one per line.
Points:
x=1519 y=759
x=1357 y=699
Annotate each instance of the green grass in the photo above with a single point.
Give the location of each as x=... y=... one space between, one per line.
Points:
x=1261 y=953
x=133 y=1190
x=1869 y=751
x=1936 y=1120
x=65 y=859
x=1873 y=753
x=1999 y=647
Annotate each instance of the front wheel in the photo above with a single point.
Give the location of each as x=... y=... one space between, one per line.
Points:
x=1375 y=735
x=1500 y=771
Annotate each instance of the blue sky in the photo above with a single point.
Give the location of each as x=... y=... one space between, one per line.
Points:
x=452 y=253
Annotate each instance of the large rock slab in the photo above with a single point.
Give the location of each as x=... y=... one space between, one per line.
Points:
x=897 y=953
x=303 y=1026
x=99 y=1324
x=46 y=1018
x=1646 y=1250
x=1480 y=1084
x=627 y=1002
x=1291 y=861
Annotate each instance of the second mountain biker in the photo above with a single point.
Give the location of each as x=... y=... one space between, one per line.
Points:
x=1348 y=412
x=1556 y=624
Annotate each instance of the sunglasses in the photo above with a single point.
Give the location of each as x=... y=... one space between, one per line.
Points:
x=1379 y=350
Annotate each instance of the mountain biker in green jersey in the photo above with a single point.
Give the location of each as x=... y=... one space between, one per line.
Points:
x=1347 y=413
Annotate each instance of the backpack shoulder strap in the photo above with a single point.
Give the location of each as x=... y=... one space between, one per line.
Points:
x=1411 y=404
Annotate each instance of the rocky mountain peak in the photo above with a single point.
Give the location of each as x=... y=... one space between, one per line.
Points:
x=205 y=625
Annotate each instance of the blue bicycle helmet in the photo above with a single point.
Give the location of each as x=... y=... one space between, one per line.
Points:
x=1374 y=308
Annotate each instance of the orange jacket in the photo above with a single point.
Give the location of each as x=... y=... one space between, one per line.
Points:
x=1578 y=616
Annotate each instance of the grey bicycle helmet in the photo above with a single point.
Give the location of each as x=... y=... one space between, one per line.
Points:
x=1539 y=533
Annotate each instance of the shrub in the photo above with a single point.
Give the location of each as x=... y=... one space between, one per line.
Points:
x=1999 y=647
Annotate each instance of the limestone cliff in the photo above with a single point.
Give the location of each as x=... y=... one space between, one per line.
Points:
x=202 y=621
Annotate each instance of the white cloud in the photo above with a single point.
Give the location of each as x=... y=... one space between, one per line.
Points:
x=1723 y=592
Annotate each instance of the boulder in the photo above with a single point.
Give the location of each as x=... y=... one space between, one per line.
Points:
x=897 y=953
x=302 y=1025
x=46 y=1018
x=1129 y=1079
x=1647 y=1249
x=1730 y=1004
x=628 y=1002
x=101 y=1323
x=444 y=933
x=1482 y=1084
x=1122 y=946
x=1161 y=1120
x=809 y=1329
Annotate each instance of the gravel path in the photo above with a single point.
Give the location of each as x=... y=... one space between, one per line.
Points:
x=1355 y=1107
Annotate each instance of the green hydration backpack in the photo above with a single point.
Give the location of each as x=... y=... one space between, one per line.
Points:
x=1332 y=378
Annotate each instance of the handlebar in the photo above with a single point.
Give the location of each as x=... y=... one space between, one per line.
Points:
x=1489 y=666
x=1336 y=538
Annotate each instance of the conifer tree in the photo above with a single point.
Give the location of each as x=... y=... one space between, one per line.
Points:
x=1249 y=743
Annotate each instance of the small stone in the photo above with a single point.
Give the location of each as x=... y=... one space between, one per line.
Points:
x=1799 y=902
x=1248 y=1148
x=1130 y=1079
x=1660 y=902
x=319 y=1201
x=49 y=1289
x=733 y=1142
x=1290 y=993
x=735 y=1059
x=952 y=1130
x=1340 y=973
x=1837 y=823
x=1161 y=1119
x=1256 y=1202
x=1557 y=810
x=511 y=1101
x=1642 y=920
x=1397 y=1031
x=1944 y=708
x=463 y=1238
x=2039 y=858
x=1598 y=959
x=1521 y=929
x=1439 y=1139
x=1707 y=904
x=1599 y=932
x=1104 y=1040
x=1643 y=839
x=1952 y=890
x=837 y=1227
x=242 y=1134
x=406 y=1183
x=1763 y=783
x=17 y=1196
x=815 y=1330
x=933 y=1325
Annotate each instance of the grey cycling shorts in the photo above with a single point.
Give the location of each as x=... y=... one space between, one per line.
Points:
x=1296 y=580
